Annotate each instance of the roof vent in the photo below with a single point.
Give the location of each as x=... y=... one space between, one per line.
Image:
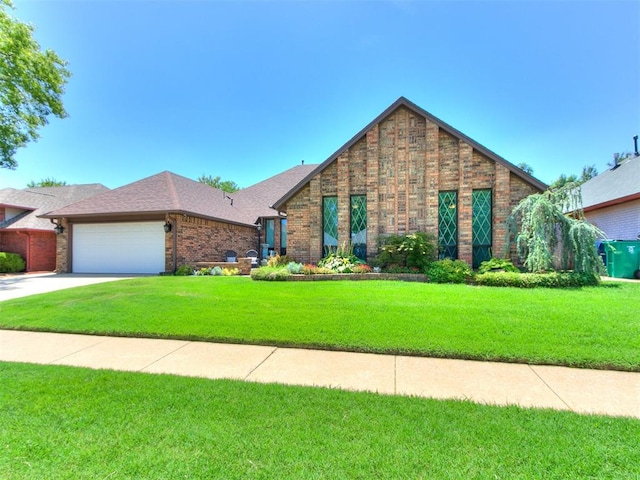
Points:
x=635 y=146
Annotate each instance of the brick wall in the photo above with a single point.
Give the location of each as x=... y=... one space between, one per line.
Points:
x=201 y=240
x=37 y=248
x=401 y=164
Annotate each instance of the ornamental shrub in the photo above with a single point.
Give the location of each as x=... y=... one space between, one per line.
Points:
x=412 y=251
x=498 y=265
x=341 y=261
x=183 y=271
x=227 y=272
x=279 y=261
x=270 y=273
x=294 y=267
x=537 y=280
x=11 y=263
x=449 y=271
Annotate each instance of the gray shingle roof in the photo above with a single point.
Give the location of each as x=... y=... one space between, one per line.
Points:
x=37 y=201
x=164 y=192
x=264 y=194
x=613 y=185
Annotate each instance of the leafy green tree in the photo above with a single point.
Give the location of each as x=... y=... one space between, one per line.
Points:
x=216 y=182
x=32 y=82
x=588 y=172
x=549 y=228
x=46 y=182
x=525 y=167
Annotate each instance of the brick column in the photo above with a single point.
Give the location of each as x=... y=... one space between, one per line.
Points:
x=63 y=251
x=501 y=209
x=344 y=203
x=313 y=251
x=432 y=180
x=373 y=200
x=465 y=203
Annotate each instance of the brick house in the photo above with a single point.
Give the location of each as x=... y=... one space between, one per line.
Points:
x=31 y=237
x=406 y=171
x=161 y=222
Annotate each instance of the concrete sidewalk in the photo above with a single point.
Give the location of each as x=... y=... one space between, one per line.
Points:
x=579 y=390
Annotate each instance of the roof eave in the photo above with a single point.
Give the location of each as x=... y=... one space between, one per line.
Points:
x=144 y=213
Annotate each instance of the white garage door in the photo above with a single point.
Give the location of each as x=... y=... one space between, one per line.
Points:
x=132 y=247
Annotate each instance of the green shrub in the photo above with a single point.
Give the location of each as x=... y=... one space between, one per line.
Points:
x=11 y=263
x=341 y=261
x=279 y=261
x=362 y=268
x=498 y=265
x=216 y=271
x=449 y=271
x=412 y=251
x=537 y=280
x=294 y=267
x=270 y=273
x=184 y=271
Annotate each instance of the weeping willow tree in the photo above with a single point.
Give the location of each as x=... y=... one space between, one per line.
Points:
x=550 y=230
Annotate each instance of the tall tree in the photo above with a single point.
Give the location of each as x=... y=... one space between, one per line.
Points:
x=228 y=186
x=550 y=229
x=525 y=167
x=46 y=182
x=32 y=82
x=588 y=172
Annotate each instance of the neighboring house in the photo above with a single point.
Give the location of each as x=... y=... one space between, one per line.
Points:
x=406 y=171
x=24 y=233
x=611 y=200
x=161 y=222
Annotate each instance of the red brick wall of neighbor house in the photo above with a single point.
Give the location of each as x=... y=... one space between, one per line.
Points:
x=401 y=164
x=201 y=240
x=37 y=248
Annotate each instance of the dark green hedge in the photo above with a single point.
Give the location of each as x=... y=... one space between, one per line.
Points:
x=536 y=280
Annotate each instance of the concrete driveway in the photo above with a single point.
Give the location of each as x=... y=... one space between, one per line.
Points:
x=16 y=286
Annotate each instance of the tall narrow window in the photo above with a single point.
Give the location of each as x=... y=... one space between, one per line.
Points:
x=359 y=226
x=269 y=235
x=482 y=227
x=448 y=224
x=329 y=224
x=283 y=236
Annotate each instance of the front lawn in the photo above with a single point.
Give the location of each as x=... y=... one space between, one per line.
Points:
x=72 y=423
x=591 y=327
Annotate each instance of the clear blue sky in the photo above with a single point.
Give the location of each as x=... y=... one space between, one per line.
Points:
x=246 y=90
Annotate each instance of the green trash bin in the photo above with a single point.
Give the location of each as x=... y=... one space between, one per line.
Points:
x=623 y=258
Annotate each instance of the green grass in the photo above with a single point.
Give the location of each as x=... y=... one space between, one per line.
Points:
x=72 y=423
x=594 y=327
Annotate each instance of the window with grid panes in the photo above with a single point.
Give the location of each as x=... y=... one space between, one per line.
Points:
x=448 y=225
x=329 y=225
x=482 y=226
x=359 y=226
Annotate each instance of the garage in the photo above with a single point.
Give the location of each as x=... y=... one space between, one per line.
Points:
x=128 y=247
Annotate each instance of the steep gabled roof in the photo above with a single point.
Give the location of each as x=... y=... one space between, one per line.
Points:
x=403 y=102
x=264 y=194
x=617 y=185
x=164 y=192
x=37 y=201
